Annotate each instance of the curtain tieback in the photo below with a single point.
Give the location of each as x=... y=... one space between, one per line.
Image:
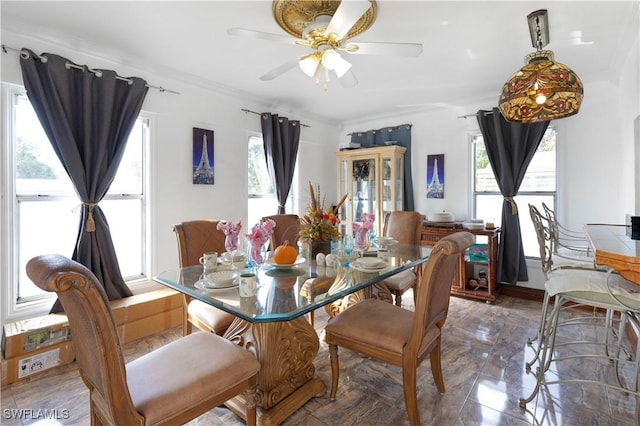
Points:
x=514 y=206
x=91 y=224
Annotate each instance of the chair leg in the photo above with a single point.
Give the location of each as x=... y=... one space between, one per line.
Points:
x=311 y=318
x=436 y=367
x=410 y=391
x=335 y=371
x=397 y=297
x=250 y=404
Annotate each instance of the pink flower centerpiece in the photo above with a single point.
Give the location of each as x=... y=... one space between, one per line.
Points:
x=231 y=231
x=258 y=237
x=361 y=232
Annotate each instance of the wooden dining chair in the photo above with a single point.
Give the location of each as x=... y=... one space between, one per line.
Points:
x=398 y=336
x=196 y=237
x=287 y=229
x=406 y=228
x=168 y=386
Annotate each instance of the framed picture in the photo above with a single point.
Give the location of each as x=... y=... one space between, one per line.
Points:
x=202 y=156
x=435 y=176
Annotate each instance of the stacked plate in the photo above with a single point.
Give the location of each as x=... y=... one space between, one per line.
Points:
x=369 y=264
x=219 y=280
x=440 y=217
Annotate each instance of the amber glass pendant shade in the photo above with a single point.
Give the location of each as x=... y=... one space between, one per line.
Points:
x=542 y=90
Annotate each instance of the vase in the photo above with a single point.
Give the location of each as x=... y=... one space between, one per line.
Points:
x=320 y=246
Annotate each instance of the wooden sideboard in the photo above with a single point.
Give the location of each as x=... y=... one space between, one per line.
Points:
x=469 y=267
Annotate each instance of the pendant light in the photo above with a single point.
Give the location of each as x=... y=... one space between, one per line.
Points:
x=543 y=89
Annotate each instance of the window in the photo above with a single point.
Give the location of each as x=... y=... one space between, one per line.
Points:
x=262 y=200
x=43 y=209
x=538 y=186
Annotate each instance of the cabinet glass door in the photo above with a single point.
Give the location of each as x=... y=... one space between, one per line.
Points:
x=398 y=175
x=364 y=190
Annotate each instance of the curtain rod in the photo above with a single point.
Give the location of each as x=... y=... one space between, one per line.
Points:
x=258 y=113
x=474 y=115
x=22 y=52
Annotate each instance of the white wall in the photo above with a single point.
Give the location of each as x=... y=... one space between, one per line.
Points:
x=174 y=196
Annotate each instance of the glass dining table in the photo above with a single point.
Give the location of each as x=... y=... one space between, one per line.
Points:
x=271 y=323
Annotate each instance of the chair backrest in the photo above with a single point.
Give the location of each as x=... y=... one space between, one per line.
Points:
x=434 y=289
x=544 y=234
x=403 y=226
x=287 y=229
x=98 y=350
x=196 y=237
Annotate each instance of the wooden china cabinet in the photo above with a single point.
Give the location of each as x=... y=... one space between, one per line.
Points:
x=373 y=179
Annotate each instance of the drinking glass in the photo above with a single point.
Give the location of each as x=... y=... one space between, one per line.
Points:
x=231 y=244
x=361 y=241
x=348 y=245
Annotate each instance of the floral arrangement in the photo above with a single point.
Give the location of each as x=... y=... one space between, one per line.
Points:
x=231 y=231
x=259 y=235
x=318 y=224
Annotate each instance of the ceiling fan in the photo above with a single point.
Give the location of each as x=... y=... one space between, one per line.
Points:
x=326 y=26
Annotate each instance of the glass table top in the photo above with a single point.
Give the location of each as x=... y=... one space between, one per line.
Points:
x=286 y=293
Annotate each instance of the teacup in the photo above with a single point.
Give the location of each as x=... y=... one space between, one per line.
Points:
x=209 y=261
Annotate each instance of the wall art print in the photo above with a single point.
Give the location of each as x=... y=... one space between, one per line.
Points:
x=202 y=156
x=435 y=176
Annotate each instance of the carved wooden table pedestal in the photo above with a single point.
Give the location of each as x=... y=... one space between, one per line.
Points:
x=286 y=380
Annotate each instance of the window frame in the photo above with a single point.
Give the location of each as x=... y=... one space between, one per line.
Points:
x=11 y=308
x=252 y=199
x=523 y=209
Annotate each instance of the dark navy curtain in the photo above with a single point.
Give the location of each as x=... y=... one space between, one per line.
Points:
x=510 y=147
x=402 y=135
x=281 y=138
x=87 y=116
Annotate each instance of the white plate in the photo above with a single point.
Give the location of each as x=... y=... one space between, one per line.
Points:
x=369 y=264
x=440 y=217
x=385 y=241
x=473 y=226
x=206 y=285
x=226 y=257
x=220 y=279
x=298 y=261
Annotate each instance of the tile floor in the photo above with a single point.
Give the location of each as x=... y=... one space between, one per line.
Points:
x=483 y=356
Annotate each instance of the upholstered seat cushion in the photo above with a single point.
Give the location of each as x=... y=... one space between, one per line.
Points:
x=179 y=374
x=393 y=326
x=591 y=286
x=401 y=281
x=215 y=319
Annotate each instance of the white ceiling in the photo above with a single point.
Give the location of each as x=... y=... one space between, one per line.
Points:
x=469 y=48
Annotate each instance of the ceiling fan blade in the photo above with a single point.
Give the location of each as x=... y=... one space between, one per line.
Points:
x=347 y=14
x=243 y=32
x=278 y=71
x=348 y=80
x=383 y=48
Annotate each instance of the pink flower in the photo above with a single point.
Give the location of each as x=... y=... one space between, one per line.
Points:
x=367 y=220
x=259 y=235
x=231 y=231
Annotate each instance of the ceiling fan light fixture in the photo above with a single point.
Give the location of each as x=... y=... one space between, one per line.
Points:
x=332 y=60
x=542 y=89
x=309 y=64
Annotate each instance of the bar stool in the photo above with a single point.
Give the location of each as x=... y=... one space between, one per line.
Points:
x=569 y=285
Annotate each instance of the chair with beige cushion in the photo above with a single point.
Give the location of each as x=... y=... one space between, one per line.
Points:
x=195 y=238
x=404 y=227
x=287 y=229
x=398 y=336
x=170 y=385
